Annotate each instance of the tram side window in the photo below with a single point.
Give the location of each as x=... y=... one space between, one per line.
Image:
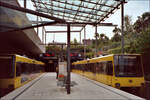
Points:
x=88 y=67
x=94 y=68
x=83 y=67
x=76 y=67
x=18 y=69
x=25 y=68
x=98 y=68
x=104 y=67
x=109 y=68
x=80 y=67
x=6 y=65
x=91 y=67
x=101 y=67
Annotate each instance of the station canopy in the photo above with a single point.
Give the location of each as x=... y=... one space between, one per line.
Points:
x=84 y=11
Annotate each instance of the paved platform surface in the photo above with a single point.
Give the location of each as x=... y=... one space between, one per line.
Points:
x=45 y=87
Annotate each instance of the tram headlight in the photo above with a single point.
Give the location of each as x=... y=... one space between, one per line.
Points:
x=117 y=85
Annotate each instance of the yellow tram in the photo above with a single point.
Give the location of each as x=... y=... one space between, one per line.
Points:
x=120 y=71
x=17 y=70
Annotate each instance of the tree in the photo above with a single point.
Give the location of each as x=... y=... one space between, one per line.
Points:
x=117 y=36
x=75 y=41
x=142 y=23
x=128 y=29
x=53 y=49
x=96 y=35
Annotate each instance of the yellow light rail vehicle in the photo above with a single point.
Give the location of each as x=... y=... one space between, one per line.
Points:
x=17 y=70
x=116 y=70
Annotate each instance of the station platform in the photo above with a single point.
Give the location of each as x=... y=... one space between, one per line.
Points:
x=45 y=87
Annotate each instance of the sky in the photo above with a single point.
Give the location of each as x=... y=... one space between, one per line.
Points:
x=133 y=8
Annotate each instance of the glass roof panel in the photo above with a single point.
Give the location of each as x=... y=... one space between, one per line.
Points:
x=77 y=10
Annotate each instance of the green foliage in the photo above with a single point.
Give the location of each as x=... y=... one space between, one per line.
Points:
x=90 y=55
x=116 y=38
x=53 y=49
x=143 y=41
x=118 y=50
x=143 y=22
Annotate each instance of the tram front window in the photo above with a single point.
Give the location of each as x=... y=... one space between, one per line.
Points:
x=128 y=66
x=6 y=67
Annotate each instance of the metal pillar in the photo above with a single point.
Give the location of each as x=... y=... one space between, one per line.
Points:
x=45 y=39
x=122 y=27
x=43 y=34
x=25 y=3
x=62 y=59
x=96 y=40
x=37 y=24
x=68 y=58
x=84 y=43
x=80 y=37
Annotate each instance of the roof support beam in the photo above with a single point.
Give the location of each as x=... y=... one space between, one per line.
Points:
x=60 y=44
x=60 y=31
x=35 y=26
x=90 y=23
x=72 y=25
x=30 y=11
x=78 y=24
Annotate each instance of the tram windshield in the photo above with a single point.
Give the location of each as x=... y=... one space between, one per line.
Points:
x=6 y=68
x=127 y=66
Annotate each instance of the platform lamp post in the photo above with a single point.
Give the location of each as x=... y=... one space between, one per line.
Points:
x=68 y=59
x=122 y=26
